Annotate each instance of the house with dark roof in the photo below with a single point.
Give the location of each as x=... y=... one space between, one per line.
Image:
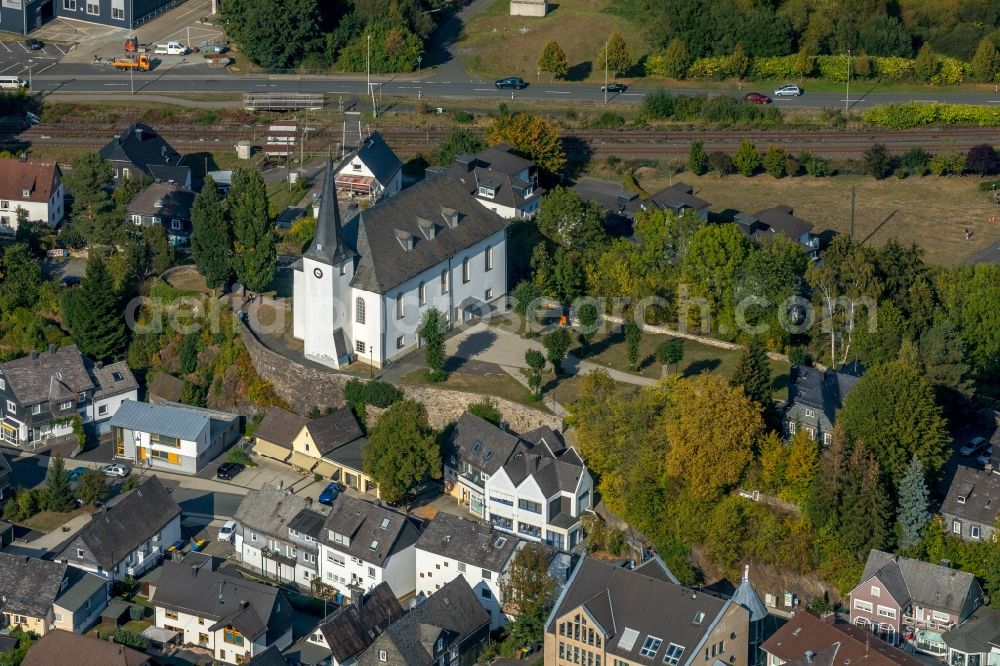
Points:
x=501 y=181
x=164 y=388
x=972 y=504
x=678 y=199
x=641 y=616
x=35 y=187
x=476 y=450
x=276 y=432
x=613 y=199
x=814 y=398
x=349 y=630
x=764 y=225
x=332 y=446
x=270 y=657
x=140 y=151
x=975 y=641
x=171 y=436
x=898 y=593
x=129 y=535
x=277 y=535
x=166 y=204
x=361 y=290
x=5 y=484
x=40 y=595
x=372 y=171
x=234 y=618
x=808 y=640
x=41 y=392
x=65 y=647
x=364 y=544
x=448 y=627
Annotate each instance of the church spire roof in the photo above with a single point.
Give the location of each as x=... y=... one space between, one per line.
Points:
x=328 y=243
x=747 y=597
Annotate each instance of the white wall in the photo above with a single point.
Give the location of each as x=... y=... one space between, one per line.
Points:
x=322 y=306
x=93 y=411
x=435 y=570
x=382 y=190
x=170 y=534
x=400 y=571
x=50 y=212
x=354 y=570
x=368 y=332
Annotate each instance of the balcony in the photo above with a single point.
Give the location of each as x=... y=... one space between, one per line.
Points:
x=924 y=623
x=473 y=480
x=144 y=561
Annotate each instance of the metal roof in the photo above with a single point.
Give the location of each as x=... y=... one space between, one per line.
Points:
x=165 y=420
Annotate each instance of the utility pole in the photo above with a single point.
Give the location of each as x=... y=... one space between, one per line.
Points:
x=853 y=193
x=847 y=100
x=371 y=90
x=605 y=72
x=131 y=73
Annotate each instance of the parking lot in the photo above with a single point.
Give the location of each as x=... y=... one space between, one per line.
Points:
x=16 y=58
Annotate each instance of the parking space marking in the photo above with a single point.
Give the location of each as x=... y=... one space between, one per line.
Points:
x=51 y=64
x=6 y=47
x=7 y=68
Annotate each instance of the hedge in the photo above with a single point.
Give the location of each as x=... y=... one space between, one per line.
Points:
x=914 y=114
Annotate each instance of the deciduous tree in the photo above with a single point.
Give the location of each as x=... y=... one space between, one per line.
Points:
x=802 y=463
x=670 y=352
x=531 y=590
x=557 y=343
x=531 y=136
x=697 y=159
x=676 y=59
x=633 y=340
x=986 y=61
x=878 y=161
x=926 y=64
x=619 y=60
x=211 y=236
x=20 y=279
x=982 y=159
x=254 y=255
x=93 y=489
x=458 y=141
x=536 y=363
x=747 y=159
x=570 y=222
x=553 y=60
x=402 y=450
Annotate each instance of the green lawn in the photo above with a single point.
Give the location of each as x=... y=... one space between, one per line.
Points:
x=498 y=384
x=46 y=521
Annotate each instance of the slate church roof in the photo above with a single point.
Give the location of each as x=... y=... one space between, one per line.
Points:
x=328 y=245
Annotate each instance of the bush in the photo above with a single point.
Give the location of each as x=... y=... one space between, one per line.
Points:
x=775 y=160
x=948 y=164
x=463 y=117
x=913 y=114
x=136 y=613
x=900 y=172
x=989 y=186
x=720 y=162
x=239 y=455
x=123 y=636
x=607 y=120
x=817 y=167
x=878 y=161
x=747 y=159
x=982 y=160
x=915 y=161
x=697 y=159
x=376 y=393
x=658 y=104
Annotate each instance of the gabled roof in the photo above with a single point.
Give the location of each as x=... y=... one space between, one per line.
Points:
x=112 y=379
x=480 y=443
x=610 y=196
x=36 y=377
x=764 y=224
x=355 y=626
x=807 y=639
x=678 y=196
x=28 y=585
x=334 y=430
x=253 y=609
x=271 y=511
x=419 y=228
x=468 y=541
x=923 y=583
x=507 y=190
x=328 y=244
x=363 y=522
x=165 y=387
x=269 y=657
x=501 y=158
x=551 y=474
x=823 y=390
x=376 y=154
x=168 y=420
x=65 y=647
x=126 y=522
x=40 y=179
x=280 y=427
x=977 y=633
x=167 y=200
x=142 y=146
x=973 y=495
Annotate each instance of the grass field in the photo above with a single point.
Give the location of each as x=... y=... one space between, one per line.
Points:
x=496 y=44
x=46 y=521
x=930 y=211
x=498 y=384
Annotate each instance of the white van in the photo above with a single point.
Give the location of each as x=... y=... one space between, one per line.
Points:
x=171 y=48
x=12 y=83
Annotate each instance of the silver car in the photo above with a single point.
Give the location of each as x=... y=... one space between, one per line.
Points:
x=788 y=91
x=985 y=457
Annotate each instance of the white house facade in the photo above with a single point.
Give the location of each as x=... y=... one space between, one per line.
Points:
x=373 y=170
x=33 y=187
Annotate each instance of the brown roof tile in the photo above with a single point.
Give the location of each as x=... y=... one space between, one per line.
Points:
x=16 y=176
x=64 y=647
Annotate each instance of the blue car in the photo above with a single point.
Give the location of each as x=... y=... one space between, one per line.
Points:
x=330 y=493
x=76 y=473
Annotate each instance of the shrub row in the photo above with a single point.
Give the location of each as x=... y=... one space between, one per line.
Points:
x=660 y=105
x=376 y=393
x=914 y=114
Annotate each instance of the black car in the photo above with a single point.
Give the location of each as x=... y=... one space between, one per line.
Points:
x=34 y=44
x=514 y=82
x=614 y=87
x=228 y=470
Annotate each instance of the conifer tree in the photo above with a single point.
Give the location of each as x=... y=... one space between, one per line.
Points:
x=753 y=373
x=913 y=513
x=93 y=312
x=58 y=493
x=211 y=237
x=254 y=254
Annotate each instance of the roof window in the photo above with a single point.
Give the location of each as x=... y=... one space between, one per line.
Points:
x=385 y=524
x=374 y=544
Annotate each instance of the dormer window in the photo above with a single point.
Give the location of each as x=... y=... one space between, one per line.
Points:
x=25 y=193
x=356 y=166
x=961 y=499
x=374 y=544
x=487 y=192
x=406 y=239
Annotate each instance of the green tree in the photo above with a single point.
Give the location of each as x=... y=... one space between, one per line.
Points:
x=211 y=236
x=557 y=344
x=775 y=160
x=93 y=489
x=615 y=54
x=738 y=63
x=927 y=64
x=986 y=61
x=532 y=137
x=670 y=352
x=714 y=258
x=458 y=141
x=913 y=502
x=433 y=329
x=801 y=464
x=131 y=483
x=878 y=161
x=88 y=178
x=274 y=34
x=893 y=411
x=531 y=590
x=526 y=296
x=58 y=492
x=567 y=276
x=553 y=60
x=697 y=159
x=747 y=159
x=633 y=340
x=945 y=363
x=20 y=279
x=126 y=190
x=158 y=251
x=536 y=363
x=865 y=512
x=720 y=162
x=589 y=318
x=676 y=59
x=570 y=222
x=402 y=450
x=885 y=36
x=487 y=410
x=753 y=374
x=93 y=312
x=254 y=255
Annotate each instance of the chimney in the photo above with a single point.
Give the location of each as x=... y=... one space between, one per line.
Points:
x=52 y=349
x=138 y=133
x=194 y=570
x=99 y=365
x=810 y=655
x=829 y=617
x=244 y=603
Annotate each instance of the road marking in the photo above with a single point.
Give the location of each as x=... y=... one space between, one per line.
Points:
x=59 y=48
x=116 y=84
x=993 y=101
x=635 y=94
x=45 y=68
x=926 y=101
x=483 y=89
x=559 y=92
x=26 y=49
x=12 y=66
x=6 y=47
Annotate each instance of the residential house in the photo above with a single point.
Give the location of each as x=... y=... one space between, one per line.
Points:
x=164 y=389
x=276 y=433
x=373 y=170
x=235 y=619
x=40 y=595
x=975 y=642
x=278 y=533
x=40 y=394
x=172 y=437
x=529 y=7
x=617 y=203
x=764 y=225
x=129 y=535
x=678 y=198
x=6 y=486
x=475 y=452
x=971 y=507
x=270 y=657
x=349 y=630
x=140 y=151
x=333 y=446
x=168 y=205
x=364 y=544
x=814 y=398
x=808 y=640
x=65 y=647
x=642 y=616
x=449 y=627
x=501 y=181
x=452 y=547
x=35 y=187
x=361 y=291
x=897 y=593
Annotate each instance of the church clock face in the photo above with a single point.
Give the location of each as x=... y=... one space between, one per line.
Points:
x=318 y=272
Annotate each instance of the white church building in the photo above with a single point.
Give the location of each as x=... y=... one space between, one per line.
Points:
x=361 y=289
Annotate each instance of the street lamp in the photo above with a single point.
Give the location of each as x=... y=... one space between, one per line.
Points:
x=29 y=73
x=419 y=59
x=368 y=67
x=605 y=72
x=847 y=98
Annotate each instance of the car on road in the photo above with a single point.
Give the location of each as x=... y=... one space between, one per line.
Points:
x=985 y=457
x=515 y=82
x=756 y=98
x=34 y=44
x=972 y=447
x=228 y=470
x=227 y=531
x=614 y=87
x=330 y=493
x=120 y=471
x=788 y=91
x=76 y=473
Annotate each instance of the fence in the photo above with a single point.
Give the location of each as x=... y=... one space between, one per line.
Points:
x=282 y=101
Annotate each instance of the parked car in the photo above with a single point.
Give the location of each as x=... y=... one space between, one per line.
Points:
x=213 y=47
x=756 y=98
x=34 y=44
x=985 y=457
x=76 y=473
x=972 y=447
x=171 y=48
x=120 y=471
x=228 y=470
x=788 y=91
x=227 y=531
x=515 y=82
x=614 y=87
x=330 y=493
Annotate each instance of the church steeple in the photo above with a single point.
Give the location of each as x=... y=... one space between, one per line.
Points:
x=328 y=243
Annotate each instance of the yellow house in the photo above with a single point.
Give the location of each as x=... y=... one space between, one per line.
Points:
x=276 y=432
x=332 y=446
x=41 y=595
